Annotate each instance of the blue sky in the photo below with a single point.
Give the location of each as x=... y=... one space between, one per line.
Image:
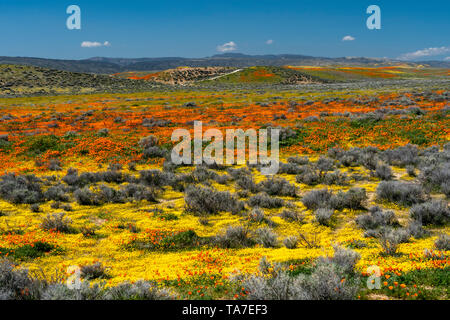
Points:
x=197 y=28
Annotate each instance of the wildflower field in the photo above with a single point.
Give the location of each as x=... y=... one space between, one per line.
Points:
x=88 y=193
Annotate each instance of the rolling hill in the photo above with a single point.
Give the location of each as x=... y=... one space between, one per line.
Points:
x=102 y=65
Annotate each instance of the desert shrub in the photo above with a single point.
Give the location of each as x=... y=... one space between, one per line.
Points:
x=236 y=173
x=113 y=176
x=263 y=200
x=73 y=179
x=111 y=195
x=277 y=285
x=317 y=199
x=154 y=152
x=390 y=238
x=290 y=242
x=155 y=178
x=376 y=218
x=276 y=186
x=57 y=193
x=149 y=141
x=266 y=237
x=132 y=166
x=383 y=171
x=416 y=230
x=434 y=212
x=256 y=215
x=201 y=174
x=104 y=132
x=246 y=182
x=139 y=192
x=335 y=177
x=323 y=216
x=354 y=198
x=298 y=160
x=85 y=196
x=21 y=189
x=443 y=242
x=234 y=237
x=35 y=207
x=56 y=222
x=60 y=291
x=326 y=283
x=291 y=215
x=288 y=168
x=329 y=280
x=401 y=192
x=139 y=290
x=308 y=176
x=435 y=175
x=402 y=156
x=16 y=284
x=324 y=165
x=344 y=259
x=445 y=188
x=93 y=271
x=203 y=200
x=411 y=170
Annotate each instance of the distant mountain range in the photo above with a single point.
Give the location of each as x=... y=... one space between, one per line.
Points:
x=102 y=65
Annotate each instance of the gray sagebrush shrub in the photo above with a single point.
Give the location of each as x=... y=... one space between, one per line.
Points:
x=256 y=215
x=290 y=242
x=308 y=176
x=266 y=237
x=403 y=193
x=21 y=189
x=57 y=193
x=434 y=212
x=16 y=284
x=57 y=222
x=344 y=259
x=139 y=192
x=317 y=199
x=140 y=290
x=263 y=200
x=93 y=271
x=443 y=242
x=204 y=200
x=276 y=186
x=234 y=237
x=390 y=238
x=416 y=230
x=383 y=171
x=376 y=218
x=85 y=196
x=323 y=216
x=354 y=198
x=327 y=282
x=85 y=291
x=292 y=215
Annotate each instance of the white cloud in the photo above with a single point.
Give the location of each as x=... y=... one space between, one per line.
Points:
x=348 y=38
x=428 y=52
x=226 y=47
x=270 y=41
x=94 y=44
